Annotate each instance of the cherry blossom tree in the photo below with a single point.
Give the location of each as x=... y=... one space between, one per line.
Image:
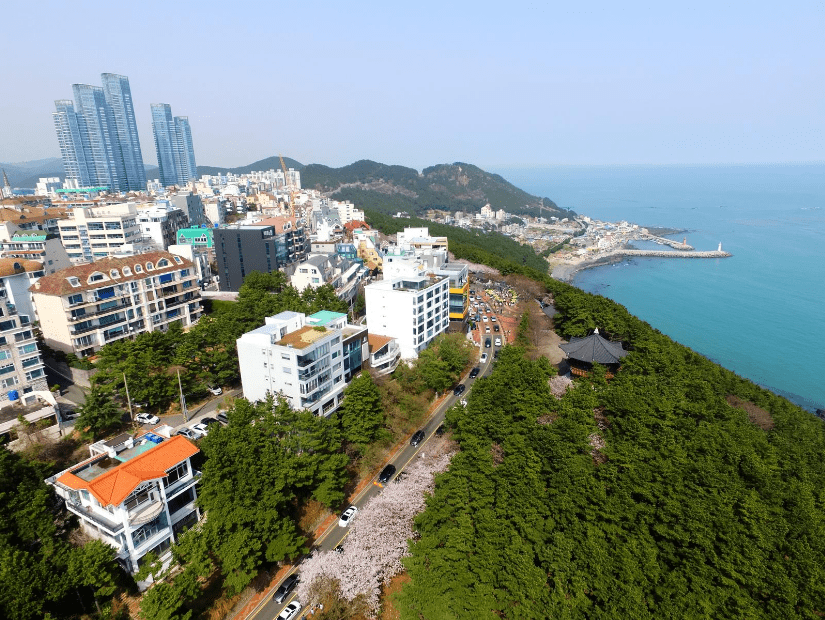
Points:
x=378 y=536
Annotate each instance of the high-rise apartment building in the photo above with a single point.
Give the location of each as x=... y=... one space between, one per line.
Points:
x=98 y=138
x=173 y=143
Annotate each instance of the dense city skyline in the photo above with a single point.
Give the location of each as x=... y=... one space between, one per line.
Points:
x=529 y=85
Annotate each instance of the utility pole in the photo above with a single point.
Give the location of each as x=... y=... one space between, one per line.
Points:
x=182 y=400
x=129 y=400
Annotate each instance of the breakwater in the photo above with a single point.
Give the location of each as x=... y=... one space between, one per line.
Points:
x=676 y=245
x=666 y=254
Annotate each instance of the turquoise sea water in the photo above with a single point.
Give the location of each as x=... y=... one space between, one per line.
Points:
x=760 y=313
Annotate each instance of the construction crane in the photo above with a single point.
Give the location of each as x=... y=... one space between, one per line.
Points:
x=289 y=186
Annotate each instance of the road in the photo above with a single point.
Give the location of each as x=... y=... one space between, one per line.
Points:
x=336 y=535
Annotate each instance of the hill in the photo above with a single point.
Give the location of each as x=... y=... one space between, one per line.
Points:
x=452 y=187
x=270 y=163
x=26 y=173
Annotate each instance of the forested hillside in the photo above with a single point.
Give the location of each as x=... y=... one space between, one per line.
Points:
x=453 y=187
x=674 y=490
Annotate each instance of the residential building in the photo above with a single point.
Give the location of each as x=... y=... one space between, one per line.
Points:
x=308 y=360
x=420 y=239
x=48 y=186
x=320 y=269
x=135 y=492
x=192 y=205
x=161 y=223
x=97 y=231
x=32 y=218
x=413 y=310
x=36 y=245
x=98 y=136
x=38 y=408
x=385 y=354
x=272 y=244
x=21 y=367
x=87 y=306
x=173 y=143
x=408 y=261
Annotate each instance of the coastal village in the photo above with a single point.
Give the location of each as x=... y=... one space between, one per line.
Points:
x=572 y=244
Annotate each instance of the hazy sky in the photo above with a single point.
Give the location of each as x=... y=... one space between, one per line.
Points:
x=419 y=83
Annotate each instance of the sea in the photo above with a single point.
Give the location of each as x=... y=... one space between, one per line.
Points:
x=759 y=313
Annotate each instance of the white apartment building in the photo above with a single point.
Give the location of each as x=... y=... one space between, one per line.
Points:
x=413 y=310
x=21 y=367
x=97 y=231
x=319 y=269
x=420 y=239
x=135 y=493
x=87 y=306
x=160 y=223
x=309 y=360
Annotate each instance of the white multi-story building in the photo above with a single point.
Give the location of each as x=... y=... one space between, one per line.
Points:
x=420 y=239
x=21 y=367
x=319 y=269
x=38 y=245
x=135 y=493
x=309 y=360
x=85 y=307
x=160 y=223
x=94 y=232
x=413 y=310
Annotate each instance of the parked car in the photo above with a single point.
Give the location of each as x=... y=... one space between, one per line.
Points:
x=498 y=342
x=487 y=330
x=201 y=429
x=147 y=418
x=291 y=611
x=386 y=474
x=484 y=318
x=347 y=516
x=222 y=417
x=496 y=328
x=70 y=414
x=215 y=389
x=459 y=389
x=486 y=343
x=439 y=431
x=493 y=318
x=474 y=372
x=286 y=587
x=188 y=433
x=209 y=421
x=483 y=359
x=417 y=438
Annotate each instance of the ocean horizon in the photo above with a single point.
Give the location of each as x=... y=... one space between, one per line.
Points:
x=757 y=313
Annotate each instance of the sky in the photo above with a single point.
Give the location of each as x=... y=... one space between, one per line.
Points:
x=420 y=83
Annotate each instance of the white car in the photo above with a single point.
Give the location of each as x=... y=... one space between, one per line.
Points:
x=201 y=429
x=498 y=342
x=215 y=389
x=290 y=611
x=493 y=318
x=487 y=330
x=484 y=318
x=347 y=516
x=147 y=418
x=483 y=358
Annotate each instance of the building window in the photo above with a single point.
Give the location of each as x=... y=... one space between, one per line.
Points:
x=181 y=470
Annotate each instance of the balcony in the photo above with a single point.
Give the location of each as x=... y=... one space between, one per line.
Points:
x=86 y=513
x=146 y=513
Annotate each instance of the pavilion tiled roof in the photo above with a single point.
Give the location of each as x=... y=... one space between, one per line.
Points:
x=115 y=485
x=57 y=283
x=594 y=348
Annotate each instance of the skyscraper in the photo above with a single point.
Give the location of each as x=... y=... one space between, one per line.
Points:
x=173 y=143
x=119 y=97
x=98 y=136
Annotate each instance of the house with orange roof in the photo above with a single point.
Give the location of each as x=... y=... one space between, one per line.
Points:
x=135 y=492
x=385 y=354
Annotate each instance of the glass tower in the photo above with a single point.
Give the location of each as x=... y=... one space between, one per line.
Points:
x=163 y=128
x=187 y=169
x=98 y=136
x=119 y=97
x=173 y=143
